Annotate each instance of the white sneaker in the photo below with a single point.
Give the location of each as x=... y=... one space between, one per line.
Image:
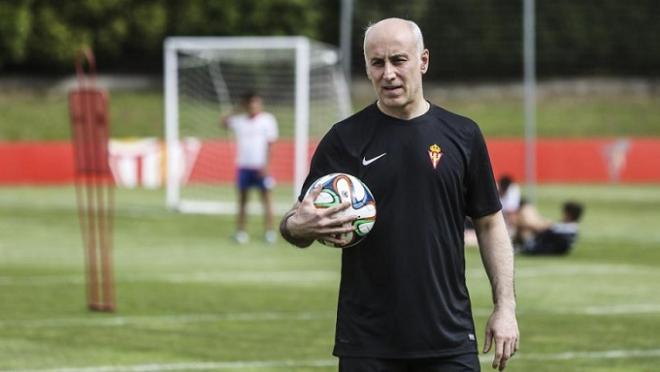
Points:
x=241 y=237
x=270 y=237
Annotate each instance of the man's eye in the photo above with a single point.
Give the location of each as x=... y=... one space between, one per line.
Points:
x=377 y=63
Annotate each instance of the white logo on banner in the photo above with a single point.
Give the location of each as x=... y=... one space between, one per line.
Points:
x=616 y=155
x=141 y=162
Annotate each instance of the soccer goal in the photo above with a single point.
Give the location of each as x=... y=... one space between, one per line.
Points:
x=301 y=83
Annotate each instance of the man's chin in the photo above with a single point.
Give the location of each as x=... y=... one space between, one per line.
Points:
x=392 y=102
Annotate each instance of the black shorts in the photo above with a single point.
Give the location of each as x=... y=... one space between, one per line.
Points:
x=247 y=178
x=548 y=242
x=456 y=363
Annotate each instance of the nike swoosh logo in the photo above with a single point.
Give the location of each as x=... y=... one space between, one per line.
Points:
x=366 y=162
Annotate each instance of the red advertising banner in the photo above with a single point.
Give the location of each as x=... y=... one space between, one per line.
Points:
x=595 y=160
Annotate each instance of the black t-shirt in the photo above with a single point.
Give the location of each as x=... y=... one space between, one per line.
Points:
x=403 y=291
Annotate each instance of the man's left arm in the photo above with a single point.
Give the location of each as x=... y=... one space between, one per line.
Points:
x=272 y=132
x=497 y=256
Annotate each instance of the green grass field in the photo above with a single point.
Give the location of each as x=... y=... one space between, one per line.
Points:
x=43 y=116
x=190 y=299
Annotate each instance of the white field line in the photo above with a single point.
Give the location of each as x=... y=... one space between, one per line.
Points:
x=121 y=321
x=573 y=270
x=593 y=310
x=39 y=281
x=301 y=278
x=310 y=277
x=324 y=363
x=194 y=366
x=605 y=354
x=296 y=277
x=621 y=309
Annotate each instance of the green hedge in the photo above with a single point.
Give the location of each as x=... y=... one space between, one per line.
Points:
x=468 y=38
x=483 y=38
x=44 y=35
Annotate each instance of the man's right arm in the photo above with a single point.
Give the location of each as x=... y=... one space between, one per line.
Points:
x=225 y=119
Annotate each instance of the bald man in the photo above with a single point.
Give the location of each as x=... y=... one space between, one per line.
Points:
x=403 y=302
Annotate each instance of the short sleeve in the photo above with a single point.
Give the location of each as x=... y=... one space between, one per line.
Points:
x=482 y=198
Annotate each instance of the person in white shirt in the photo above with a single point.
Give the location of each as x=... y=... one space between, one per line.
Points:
x=255 y=131
x=510 y=197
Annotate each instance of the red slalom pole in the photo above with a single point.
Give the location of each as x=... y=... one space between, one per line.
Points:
x=88 y=108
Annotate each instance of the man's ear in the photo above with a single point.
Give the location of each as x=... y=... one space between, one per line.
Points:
x=425 y=61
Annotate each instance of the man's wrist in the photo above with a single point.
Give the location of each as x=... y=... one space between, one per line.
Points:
x=284 y=228
x=286 y=233
x=505 y=305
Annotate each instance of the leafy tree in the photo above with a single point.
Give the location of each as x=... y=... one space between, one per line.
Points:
x=15 y=25
x=468 y=39
x=53 y=40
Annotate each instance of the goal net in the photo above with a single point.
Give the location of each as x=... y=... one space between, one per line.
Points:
x=301 y=84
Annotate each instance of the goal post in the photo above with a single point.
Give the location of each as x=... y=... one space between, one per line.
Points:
x=300 y=81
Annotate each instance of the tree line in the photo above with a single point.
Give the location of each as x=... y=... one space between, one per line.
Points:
x=468 y=39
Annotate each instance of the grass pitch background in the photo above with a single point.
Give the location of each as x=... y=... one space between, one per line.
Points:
x=190 y=299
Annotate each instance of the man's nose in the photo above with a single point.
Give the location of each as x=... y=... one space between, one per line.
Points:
x=388 y=72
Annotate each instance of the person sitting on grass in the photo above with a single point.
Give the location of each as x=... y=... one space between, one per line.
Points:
x=535 y=235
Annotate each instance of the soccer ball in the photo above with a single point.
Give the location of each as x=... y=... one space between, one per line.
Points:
x=340 y=187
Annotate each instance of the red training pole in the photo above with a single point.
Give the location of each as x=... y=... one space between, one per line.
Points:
x=88 y=107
